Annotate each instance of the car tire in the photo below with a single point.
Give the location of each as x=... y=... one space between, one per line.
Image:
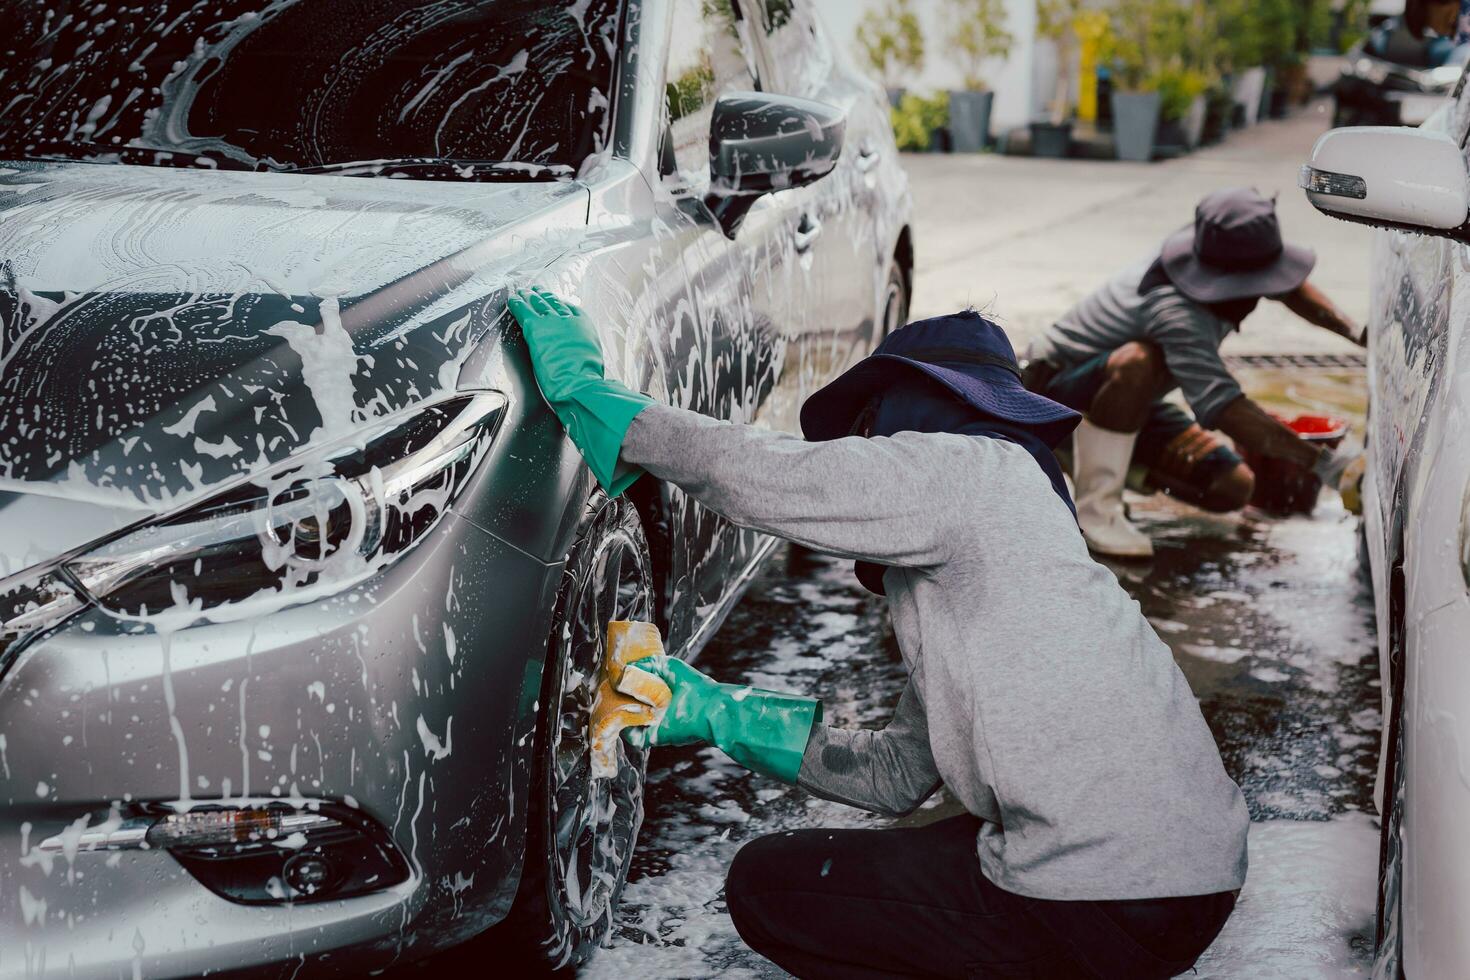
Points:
x=894 y=309
x=581 y=832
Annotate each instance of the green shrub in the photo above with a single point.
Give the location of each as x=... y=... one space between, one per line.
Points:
x=916 y=119
x=1178 y=88
x=1156 y=44
x=892 y=42
x=979 y=34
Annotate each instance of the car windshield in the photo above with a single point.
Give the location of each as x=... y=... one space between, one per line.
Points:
x=519 y=87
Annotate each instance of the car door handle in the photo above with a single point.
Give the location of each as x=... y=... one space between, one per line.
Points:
x=807 y=232
x=868 y=157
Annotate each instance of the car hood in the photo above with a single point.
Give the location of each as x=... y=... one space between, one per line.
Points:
x=164 y=331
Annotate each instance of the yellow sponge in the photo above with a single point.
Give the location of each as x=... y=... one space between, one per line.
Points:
x=625 y=700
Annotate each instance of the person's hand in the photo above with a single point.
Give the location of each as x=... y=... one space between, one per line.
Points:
x=684 y=720
x=563 y=342
x=638 y=700
x=1333 y=464
x=764 y=731
x=567 y=359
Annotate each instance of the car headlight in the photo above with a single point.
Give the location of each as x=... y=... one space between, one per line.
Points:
x=31 y=607
x=301 y=530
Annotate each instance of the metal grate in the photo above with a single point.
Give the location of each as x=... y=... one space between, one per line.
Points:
x=1321 y=362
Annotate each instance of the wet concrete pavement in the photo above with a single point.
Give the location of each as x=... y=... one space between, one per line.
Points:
x=1028 y=238
x=1267 y=617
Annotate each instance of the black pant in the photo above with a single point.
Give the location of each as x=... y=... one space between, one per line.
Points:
x=912 y=902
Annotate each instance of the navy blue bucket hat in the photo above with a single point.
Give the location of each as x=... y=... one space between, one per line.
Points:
x=965 y=353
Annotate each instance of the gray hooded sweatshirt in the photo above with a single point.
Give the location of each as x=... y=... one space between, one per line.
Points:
x=1038 y=693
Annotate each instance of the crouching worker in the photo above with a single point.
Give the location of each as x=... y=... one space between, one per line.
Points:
x=1159 y=326
x=1103 y=837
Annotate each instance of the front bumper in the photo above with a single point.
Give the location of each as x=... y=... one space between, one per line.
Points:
x=411 y=698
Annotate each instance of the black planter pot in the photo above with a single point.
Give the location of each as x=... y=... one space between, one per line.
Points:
x=1053 y=140
x=1280 y=103
x=1219 y=113
x=1172 y=136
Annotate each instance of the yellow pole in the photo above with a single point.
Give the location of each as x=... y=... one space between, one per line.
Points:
x=1091 y=27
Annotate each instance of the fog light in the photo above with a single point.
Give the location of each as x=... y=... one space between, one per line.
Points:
x=216 y=828
x=246 y=852
x=309 y=874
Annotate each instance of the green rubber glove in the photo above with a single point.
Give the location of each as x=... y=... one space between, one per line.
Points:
x=567 y=358
x=764 y=731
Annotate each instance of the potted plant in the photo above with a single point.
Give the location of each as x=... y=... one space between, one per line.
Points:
x=979 y=37
x=1054 y=23
x=1277 y=24
x=1310 y=22
x=1182 y=106
x=1138 y=39
x=1219 y=111
x=1190 y=46
x=892 y=44
x=1242 y=55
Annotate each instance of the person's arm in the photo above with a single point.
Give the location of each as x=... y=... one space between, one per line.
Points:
x=1254 y=428
x=1313 y=306
x=881 y=499
x=890 y=771
x=887 y=500
x=1189 y=336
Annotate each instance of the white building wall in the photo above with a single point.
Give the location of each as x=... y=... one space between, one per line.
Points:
x=1013 y=79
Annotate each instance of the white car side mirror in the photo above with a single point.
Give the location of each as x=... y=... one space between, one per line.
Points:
x=1393 y=176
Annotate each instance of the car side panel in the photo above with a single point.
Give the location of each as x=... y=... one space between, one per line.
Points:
x=1414 y=489
x=1437 y=689
x=673 y=298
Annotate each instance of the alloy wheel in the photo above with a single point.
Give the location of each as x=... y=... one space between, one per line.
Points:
x=594 y=822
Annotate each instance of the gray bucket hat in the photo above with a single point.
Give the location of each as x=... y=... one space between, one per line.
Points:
x=1235 y=251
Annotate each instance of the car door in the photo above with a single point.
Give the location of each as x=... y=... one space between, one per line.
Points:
x=1419 y=426
x=725 y=345
x=835 y=233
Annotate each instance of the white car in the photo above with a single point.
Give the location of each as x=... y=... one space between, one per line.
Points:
x=1415 y=185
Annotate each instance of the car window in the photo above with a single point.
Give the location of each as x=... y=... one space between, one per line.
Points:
x=266 y=85
x=707 y=57
x=796 y=45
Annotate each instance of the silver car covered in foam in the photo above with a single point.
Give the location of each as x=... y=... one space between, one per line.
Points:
x=302 y=589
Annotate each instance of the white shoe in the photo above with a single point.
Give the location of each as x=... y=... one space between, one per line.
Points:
x=1100 y=467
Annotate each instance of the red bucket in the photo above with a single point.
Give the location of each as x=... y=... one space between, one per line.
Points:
x=1326 y=430
x=1283 y=487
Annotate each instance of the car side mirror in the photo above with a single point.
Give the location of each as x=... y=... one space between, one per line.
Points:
x=1391 y=176
x=760 y=143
